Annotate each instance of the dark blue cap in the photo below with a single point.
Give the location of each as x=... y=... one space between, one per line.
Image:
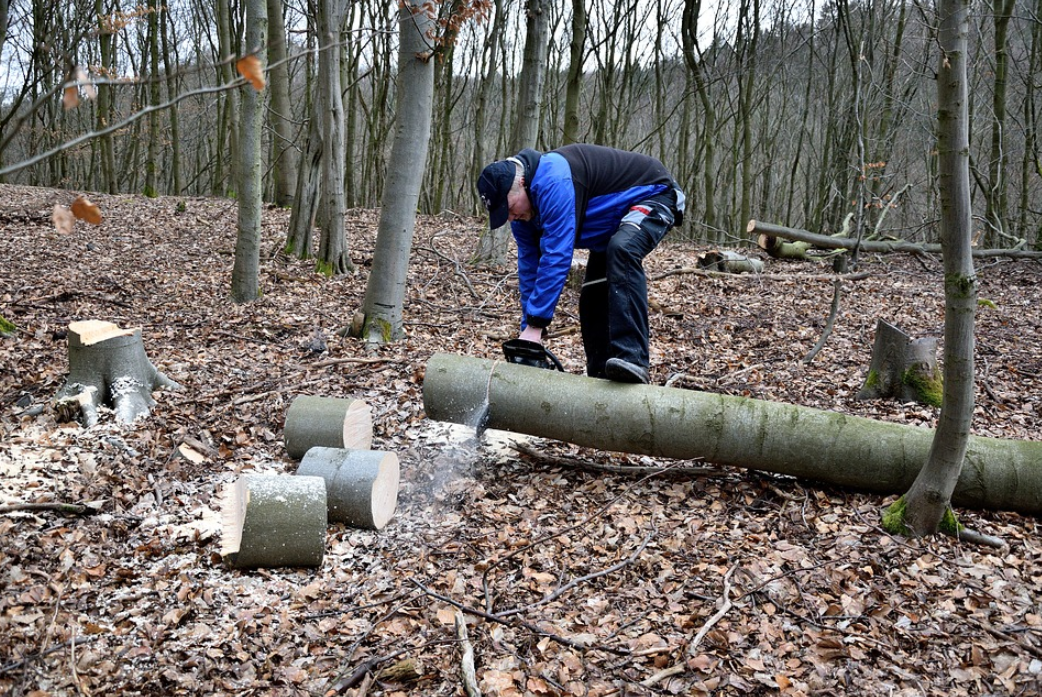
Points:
x=494 y=184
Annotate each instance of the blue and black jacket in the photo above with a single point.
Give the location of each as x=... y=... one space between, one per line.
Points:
x=579 y=195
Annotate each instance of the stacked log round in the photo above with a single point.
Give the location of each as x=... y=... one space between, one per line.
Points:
x=329 y=422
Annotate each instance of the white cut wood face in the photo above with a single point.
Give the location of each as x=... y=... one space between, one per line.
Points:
x=94 y=331
x=358 y=426
x=233 y=514
x=384 y=497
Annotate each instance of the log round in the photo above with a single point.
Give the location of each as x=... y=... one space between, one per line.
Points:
x=686 y=424
x=274 y=520
x=361 y=485
x=329 y=422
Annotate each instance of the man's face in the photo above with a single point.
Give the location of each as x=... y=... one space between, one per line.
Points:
x=519 y=205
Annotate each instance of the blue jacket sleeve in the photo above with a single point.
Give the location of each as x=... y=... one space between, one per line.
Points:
x=543 y=263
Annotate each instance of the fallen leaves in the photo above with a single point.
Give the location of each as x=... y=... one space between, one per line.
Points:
x=821 y=600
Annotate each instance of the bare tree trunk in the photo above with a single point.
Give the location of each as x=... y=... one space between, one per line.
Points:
x=4 y=8
x=285 y=153
x=385 y=289
x=305 y=204
x=485 y=91
x=333 y=257
x=493 y=245
x=996 y=187
x=574 y=83
x=696 y=66
x=246 y=271
x=105 y=107
x=152 y=149
x=169 y=67
x=930 y=495
x=228 y=122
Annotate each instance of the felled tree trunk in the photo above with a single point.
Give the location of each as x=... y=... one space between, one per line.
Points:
x=685 y=424
x=361 y=485
x=903 y=368
x=767 y=230
x=108 y=366
x=329 y=422
x=274 y=520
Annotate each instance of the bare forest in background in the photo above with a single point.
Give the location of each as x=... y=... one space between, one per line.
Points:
x=760 y=111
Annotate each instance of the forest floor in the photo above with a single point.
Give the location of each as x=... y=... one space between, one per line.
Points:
x=597 y=583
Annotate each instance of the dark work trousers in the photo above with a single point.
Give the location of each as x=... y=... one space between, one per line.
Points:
x=613 y=304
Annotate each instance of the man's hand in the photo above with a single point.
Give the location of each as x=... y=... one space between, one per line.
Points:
x=531 y=353
x=532 y=334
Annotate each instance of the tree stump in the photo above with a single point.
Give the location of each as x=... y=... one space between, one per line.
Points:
x=108 y=366
x=361 y=485
x=327 y=422
x=274 y=520
x=903 y=368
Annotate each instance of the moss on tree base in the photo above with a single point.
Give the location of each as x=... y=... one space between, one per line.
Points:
x=894 y=520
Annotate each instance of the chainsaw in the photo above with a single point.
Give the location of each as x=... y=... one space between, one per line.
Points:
x=530 y=353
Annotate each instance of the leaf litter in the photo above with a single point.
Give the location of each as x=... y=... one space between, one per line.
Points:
x=580 y=572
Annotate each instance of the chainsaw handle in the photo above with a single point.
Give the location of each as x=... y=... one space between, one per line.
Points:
x=530 y=353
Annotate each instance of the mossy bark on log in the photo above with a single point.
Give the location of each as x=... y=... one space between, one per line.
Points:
x=327 y=421
x=686 y=424
x=361 y=485
x=778 y=248
x=108 y=366
x=903 y=368
x=273 y=521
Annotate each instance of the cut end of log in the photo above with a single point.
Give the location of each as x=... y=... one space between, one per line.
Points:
x=357 y=431
x=233 y=506
x=94 y=331
x=384 y=496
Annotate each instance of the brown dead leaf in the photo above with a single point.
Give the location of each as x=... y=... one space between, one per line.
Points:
x=70 y=97
x=87 y=211
x=251 y=69
x=63 y=219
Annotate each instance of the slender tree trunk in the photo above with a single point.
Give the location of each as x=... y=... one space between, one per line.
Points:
x=485 y=92
x=333 y=257
x=4 y=9
x=228 y=123
x=169 y=63
x=105 y=107
x=385 y=289
x=1031 y=162
x=246 y=271
x=996 y=195
x=493 y=245
x=930 y=495
x=696 y=66
x=285 y=154
x=574 y=83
